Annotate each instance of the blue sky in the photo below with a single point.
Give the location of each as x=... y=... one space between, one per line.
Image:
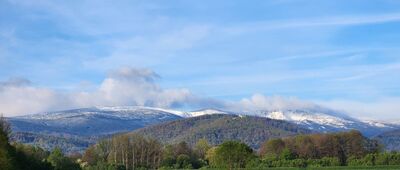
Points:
x=342 y=54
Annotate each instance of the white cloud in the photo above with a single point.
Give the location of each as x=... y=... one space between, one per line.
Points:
x=262 y=102
x=17 y=96
x=130 y=86
x=380 y=108
x=125 y=86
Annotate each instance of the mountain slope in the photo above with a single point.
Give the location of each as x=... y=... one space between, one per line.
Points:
x=100 y=121
x=74 y=130
x=221 y=127
x=390 y=140
x=91 y=121
x=108 y=120
x=69 y=144
x=325 y=120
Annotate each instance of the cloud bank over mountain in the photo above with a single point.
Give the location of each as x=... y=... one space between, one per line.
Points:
x=262 y=102
x=129 y=86
x=124 y=86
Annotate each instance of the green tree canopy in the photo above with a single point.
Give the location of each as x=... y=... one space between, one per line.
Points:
x=231 y=155
x=60 y=162
x=201 y=148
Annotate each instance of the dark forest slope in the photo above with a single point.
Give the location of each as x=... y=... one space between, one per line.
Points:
x=391 y=140
x=218 y=128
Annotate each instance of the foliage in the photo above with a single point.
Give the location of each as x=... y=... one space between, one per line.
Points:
x=323 y=150
x=231 y=154
x=7 y=159
x=272 y=147
x=180 y=156
x=133 y=151
x=92 y=156
x=183 y=161
x=61 y=162
x=323 y=162
x=373 y=159
x=201 y=148
x=390 y=140
x=67 y=143
x=104 y=166
x=33 y=157
x=211 y=157
x=287 y=152
x=17 y=156
x=317 y=146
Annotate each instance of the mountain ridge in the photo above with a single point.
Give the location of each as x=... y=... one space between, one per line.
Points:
x=318 y=119
x=390 y=139
x=100 y=121
x=217 y=128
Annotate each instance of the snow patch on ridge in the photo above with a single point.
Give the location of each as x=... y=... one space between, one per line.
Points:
x=376 y=123
x=324 y=120
x=306 y=117
x=206 y=112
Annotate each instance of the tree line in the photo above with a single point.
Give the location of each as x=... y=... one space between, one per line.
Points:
x=316 y=146
x=130 y=152
x=16 y=156
x=315 y=150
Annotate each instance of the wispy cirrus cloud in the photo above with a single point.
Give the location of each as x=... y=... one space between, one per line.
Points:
x=153 y=51
x=331 y=21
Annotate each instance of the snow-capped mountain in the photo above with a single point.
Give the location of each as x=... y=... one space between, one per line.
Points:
x=393 y=122
x=79 y=128
x=93 y=121
x=380 y=124
x=100 y=120
x=108 y=120
x=324 y=120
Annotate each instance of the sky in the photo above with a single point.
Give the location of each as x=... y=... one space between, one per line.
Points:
x=191 y=54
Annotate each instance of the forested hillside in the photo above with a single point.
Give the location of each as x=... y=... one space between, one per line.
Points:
x=68 y=143
x=74 y=130
x=133 y=151
x=219 y=128
x=16 y=156
x=391 y=140
x=93 y=121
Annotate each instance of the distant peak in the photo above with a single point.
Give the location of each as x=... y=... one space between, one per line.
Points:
x=134 y=108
